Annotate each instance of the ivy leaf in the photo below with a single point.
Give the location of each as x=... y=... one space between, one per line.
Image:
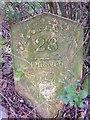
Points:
x=2 y=4
x=71 y=103
x=20 y=69
x=19 y=75
x=70 y=89
x=69 y=96
x=72 y=96
x=64 y=98
x=2 y=59
x=66 y=101
x=65 y=90
x=65 y=80
x=2 y=40
x=61 y=97
x=3 y=47
x=80 y=104
x=83 y=94
x=75 y=98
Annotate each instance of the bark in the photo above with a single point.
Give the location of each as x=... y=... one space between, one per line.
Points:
x=62 y=7
x=86 y=46
x=53 y=7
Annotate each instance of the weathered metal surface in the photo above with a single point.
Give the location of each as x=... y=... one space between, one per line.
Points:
x=49 y=49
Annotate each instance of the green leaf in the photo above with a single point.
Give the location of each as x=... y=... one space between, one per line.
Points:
x=2 y=59
x=61 y=97
x=71 y=103
x=66 y=101
x=65 y=91
x=70 y=89
x=65 y=80
x=20 y=69
x=71 y=96
x=17 y=15
x=83 y=94
x=75 y=98
x=3 y=47
x=2 y=40
x=19 y=75
x=80 y=104
x=2 y=4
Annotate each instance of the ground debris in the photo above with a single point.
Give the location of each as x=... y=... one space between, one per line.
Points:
x=10 y=99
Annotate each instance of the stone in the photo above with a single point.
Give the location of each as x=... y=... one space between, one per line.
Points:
x=48 y=49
